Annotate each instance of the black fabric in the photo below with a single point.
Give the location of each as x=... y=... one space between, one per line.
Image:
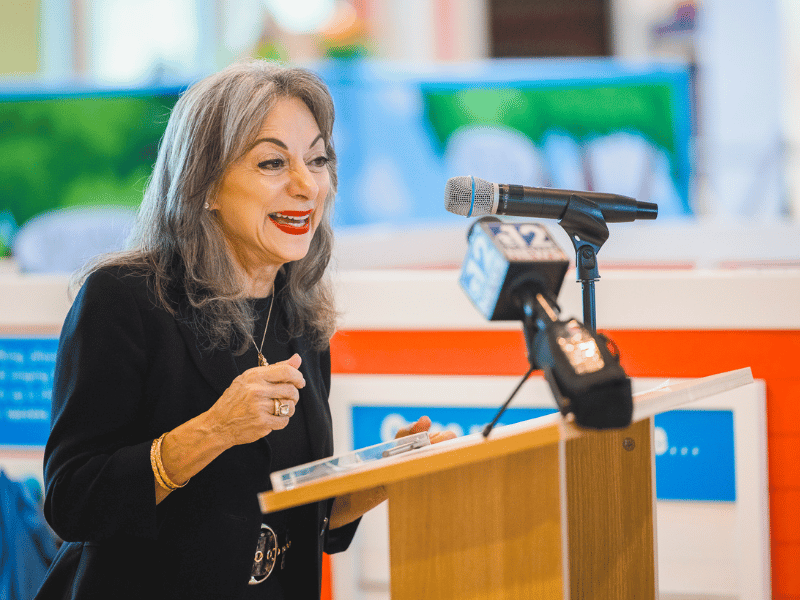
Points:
x=289 y=447
x=126 y=372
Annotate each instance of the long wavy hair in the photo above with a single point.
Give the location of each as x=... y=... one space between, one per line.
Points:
x=178 y=244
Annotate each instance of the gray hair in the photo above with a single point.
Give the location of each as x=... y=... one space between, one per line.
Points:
x=177 y=241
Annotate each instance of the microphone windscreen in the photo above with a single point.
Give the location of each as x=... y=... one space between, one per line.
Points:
x=469 y=196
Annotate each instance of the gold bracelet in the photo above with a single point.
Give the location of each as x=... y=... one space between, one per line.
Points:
x=154 y=465
x=162 y=471
x=162 y=478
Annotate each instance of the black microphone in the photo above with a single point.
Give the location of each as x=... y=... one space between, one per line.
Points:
x=473 y=197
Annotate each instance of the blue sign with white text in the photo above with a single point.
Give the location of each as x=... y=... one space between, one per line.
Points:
x=26 y=383
x=376 y=424
x=695 y=455
x=695 y=458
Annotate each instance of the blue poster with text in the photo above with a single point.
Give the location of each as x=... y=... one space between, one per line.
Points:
x=26 y=383
x=694 y=449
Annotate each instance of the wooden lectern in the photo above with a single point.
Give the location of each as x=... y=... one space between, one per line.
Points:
x=541 y=509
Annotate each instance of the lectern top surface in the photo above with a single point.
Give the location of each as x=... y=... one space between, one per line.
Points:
x=343 y=463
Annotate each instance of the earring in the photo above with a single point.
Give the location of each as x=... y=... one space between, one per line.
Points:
x=205 y=206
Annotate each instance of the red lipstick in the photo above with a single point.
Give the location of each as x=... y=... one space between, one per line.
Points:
x=293 y=222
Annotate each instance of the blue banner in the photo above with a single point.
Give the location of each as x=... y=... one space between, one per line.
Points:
x=26 y=383
x=695 y=455
x=597 y=124
x=695 y=458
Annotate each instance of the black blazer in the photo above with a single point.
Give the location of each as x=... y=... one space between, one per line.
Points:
x=126 y=372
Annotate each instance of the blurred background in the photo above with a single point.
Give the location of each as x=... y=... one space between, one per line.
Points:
x=695 y=106
x=692 y=105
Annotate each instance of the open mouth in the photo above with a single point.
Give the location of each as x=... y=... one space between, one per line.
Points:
x=294 y=222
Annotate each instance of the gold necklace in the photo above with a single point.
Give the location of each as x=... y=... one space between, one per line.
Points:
x=262 y=362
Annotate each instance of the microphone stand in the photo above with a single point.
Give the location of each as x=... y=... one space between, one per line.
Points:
x=584 y=223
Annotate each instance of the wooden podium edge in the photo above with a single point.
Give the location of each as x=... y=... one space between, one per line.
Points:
x=447 y=455
x=504 y=441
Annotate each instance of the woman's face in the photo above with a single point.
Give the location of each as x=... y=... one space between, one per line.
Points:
x=272 y=199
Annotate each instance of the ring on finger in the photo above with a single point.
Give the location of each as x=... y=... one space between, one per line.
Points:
x=282 y=409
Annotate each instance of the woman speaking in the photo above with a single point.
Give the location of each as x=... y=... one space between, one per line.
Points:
x=197 y=362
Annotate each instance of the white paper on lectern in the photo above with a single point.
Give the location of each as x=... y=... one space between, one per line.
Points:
x=349 y=461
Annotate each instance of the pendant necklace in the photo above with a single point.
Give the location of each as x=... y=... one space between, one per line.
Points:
x=262 y=362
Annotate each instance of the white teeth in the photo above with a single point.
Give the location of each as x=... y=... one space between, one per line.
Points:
x=291 y=221
x=298 y=219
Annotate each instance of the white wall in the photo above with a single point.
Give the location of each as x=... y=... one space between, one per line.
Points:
x=748 y=98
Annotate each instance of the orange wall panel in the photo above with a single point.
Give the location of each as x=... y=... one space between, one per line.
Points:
x=783 y=408
x=429 y=352
x=327 y=591
x=771 y=354
x=784 y=462
x=784 y=516
x=786 y=571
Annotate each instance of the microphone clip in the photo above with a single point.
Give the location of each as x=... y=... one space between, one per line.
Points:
x=587 y=229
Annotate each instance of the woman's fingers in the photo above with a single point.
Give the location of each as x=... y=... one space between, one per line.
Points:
x=424 y=424
x=283 y=372
x=280 y=391
x=274 y=423
x=281 y=408
x=294 y=361
x=443 y=436
x=260 y=400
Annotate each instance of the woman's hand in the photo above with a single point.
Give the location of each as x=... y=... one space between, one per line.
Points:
x=246 y=410
x=349 y=507
x=424 y=424
x=244 y=413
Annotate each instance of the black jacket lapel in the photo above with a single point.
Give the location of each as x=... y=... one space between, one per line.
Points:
x=219 y=369
x=217 y=366
x=316 y=408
